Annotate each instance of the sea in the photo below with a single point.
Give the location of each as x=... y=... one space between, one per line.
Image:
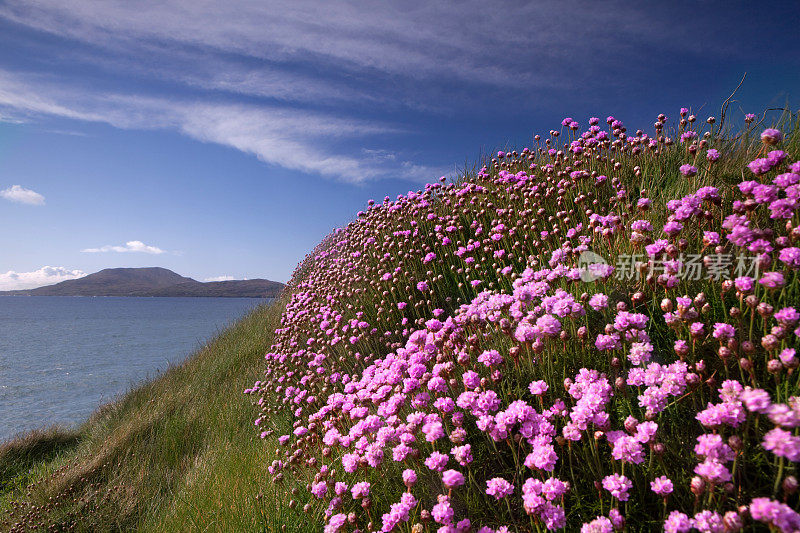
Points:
x=61 y=357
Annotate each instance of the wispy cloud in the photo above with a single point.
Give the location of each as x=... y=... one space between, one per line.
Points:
x=47 y=275
x=130 y=246
x=296 y=139
x=220 y=278
x=284 y=80
x=19 y=194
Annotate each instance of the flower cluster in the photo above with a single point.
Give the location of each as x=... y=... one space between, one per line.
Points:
x=449 y=361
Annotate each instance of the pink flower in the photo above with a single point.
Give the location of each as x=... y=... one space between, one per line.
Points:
x=771 y=136
x=409 y=477
x=452 y=479
x=498 y=487
x=661 y=486
x=618 y=486
x=360 y=490
x=537 y=387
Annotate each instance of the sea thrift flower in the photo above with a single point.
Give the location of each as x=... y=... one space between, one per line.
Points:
x=708 y=522
x=771 y=136
x=618 y=486
x=601 y=524
x=774 y=513
x=499 y=488
x=436 y=461
x=662 y=486
x=677 y=522
x=772 y=280
x=360 y=490
x=538 y=387
x=452 y=479
x=688 y=170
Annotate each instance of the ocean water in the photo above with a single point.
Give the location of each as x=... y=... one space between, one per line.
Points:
x=61 y=357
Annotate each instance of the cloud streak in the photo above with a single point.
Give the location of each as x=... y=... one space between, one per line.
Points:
x=128 y=247
x=19 y=194
x=47 y=275
x=285 y=80
x=219 y=278
x=300 y=140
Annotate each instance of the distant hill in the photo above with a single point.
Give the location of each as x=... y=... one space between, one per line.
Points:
x=153 y=281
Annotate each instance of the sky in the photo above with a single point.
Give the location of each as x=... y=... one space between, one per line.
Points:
x=224 y=140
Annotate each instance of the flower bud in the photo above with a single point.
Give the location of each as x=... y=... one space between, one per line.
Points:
x=666 y=305
x=724 y=354
x=638 y=298
x=774 y=366
x=697 y=485
x=746 y=365
x=727 y=285
x=732 y=522
x=789 y=485
x=769 y=342
x=764 y=309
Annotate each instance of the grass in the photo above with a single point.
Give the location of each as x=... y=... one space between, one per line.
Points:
x=178 y=453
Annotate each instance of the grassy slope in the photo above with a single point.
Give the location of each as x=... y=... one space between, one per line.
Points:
x=177 y=453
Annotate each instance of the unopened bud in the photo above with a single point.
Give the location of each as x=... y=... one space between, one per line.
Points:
x=697 y=485
x=746 y=365
x=732 y=522
x=769 y=342
x=789 y=485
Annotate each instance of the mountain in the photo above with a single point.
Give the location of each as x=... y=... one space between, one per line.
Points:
x=153 y=281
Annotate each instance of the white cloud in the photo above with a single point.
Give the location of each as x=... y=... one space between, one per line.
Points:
x=130 y=246
x=17 y=193
x=220 y=278
x=406 y=38
x=292 y=138
x=302 y=56
x=47 y=275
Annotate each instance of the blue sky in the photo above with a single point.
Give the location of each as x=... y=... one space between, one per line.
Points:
x=225 y=139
